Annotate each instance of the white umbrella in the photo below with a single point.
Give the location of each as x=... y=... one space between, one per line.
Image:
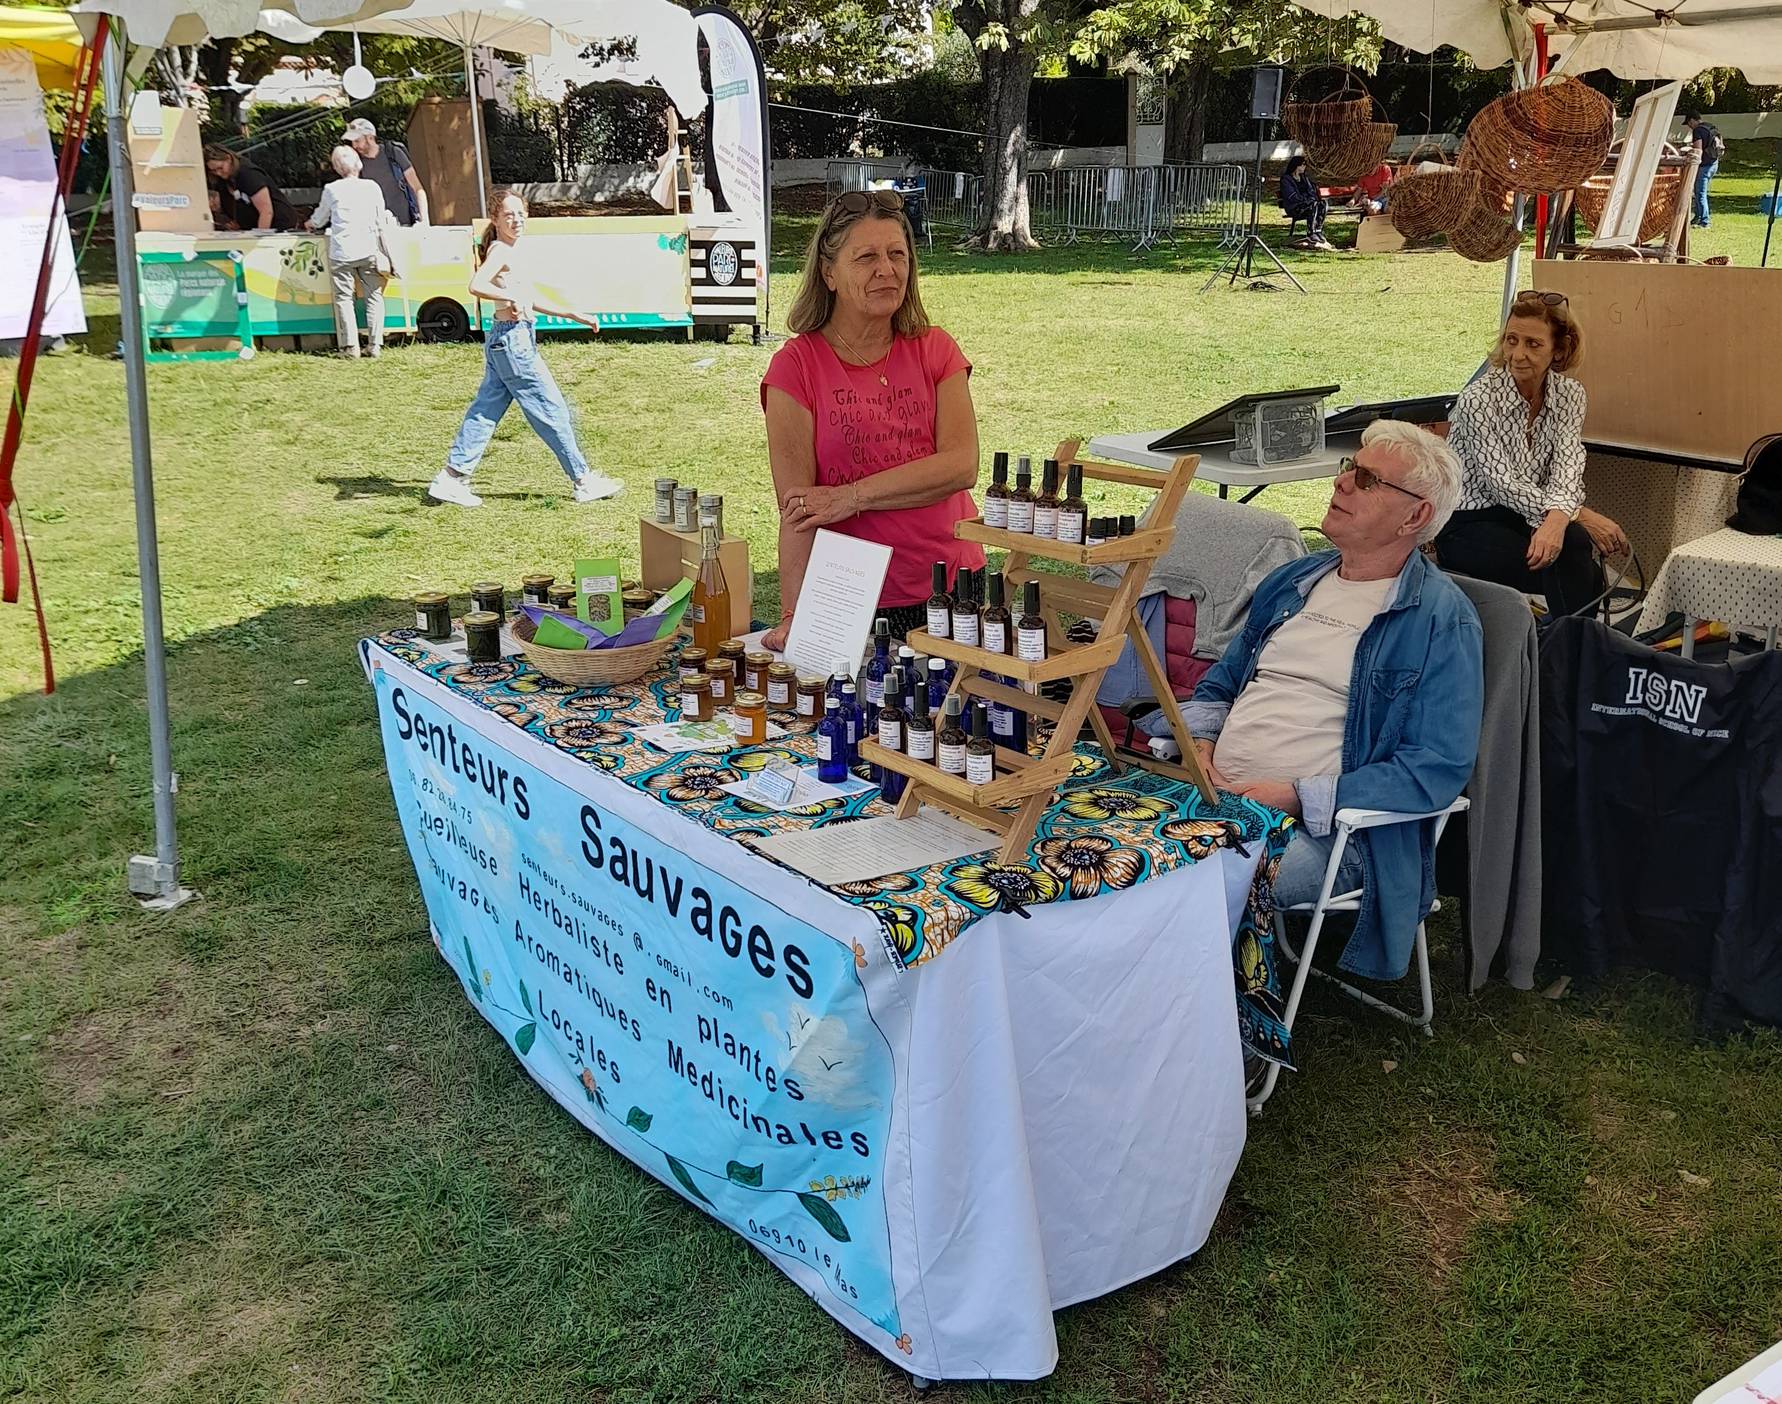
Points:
x=159 y=24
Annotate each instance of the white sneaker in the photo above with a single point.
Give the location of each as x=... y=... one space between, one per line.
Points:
x=447 y=486
x=594 y=486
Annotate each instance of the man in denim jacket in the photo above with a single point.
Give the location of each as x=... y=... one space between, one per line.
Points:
x=1357 y=683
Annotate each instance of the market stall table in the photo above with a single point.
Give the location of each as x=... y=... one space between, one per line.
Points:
x=945 y=1102
x=1732 y=576
x=1217 y=465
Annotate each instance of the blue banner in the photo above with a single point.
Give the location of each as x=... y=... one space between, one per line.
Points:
x=722 y=1044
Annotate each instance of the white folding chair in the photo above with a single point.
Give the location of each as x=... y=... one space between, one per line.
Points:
x=1348 y=823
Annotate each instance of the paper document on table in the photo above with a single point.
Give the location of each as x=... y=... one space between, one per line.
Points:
x=1765 y=1386
x=807 y=789
x=836 y=602
x=870 y=848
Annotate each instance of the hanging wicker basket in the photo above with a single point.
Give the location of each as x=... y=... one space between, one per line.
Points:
x=1482 y=234
x=1550 y=137
x=1592 y=198
x=1351 y=157
x=1330 y=119
x=1423 y=203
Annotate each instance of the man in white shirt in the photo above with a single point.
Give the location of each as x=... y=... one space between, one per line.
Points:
x=1358 y=682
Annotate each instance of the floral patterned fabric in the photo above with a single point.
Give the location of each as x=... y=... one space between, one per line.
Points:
x=1107 y=831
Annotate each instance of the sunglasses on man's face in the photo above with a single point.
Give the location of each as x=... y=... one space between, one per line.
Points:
x=860 y=201
x=1552 y=299
x=1366 y=480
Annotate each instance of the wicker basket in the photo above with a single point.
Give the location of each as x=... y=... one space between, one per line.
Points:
x=1549 y=137
x=1332 y=118
x=1422 y=203
x=1352 y=157
x=1592 y=199
x=588 y=667
x=1482 y=234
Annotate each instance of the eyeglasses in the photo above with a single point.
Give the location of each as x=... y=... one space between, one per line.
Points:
x=1552 y=299
x=1366 y=480
x=860 y=201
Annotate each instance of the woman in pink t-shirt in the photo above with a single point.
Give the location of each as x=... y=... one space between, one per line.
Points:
x=870 y=426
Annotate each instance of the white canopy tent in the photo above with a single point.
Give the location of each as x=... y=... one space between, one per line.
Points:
x=667 y=38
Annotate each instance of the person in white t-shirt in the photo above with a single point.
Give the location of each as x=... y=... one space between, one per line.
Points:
x=352 y=210
x=1357 y=682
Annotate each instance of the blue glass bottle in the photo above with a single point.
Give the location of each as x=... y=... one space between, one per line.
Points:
x=873 y=675
x=854 y=719
x=940 y=678
x=1008 y=725
x=838 y=675
x=832 y=744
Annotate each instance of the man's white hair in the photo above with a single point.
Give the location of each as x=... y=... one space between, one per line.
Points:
x=346 y=161
x=1433 y=472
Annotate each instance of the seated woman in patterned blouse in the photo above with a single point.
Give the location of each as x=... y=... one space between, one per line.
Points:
x=1518 y=430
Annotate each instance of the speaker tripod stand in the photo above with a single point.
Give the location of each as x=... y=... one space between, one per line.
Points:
x=1242 y=262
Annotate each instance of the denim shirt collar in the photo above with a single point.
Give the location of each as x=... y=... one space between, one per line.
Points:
x=1407 y=594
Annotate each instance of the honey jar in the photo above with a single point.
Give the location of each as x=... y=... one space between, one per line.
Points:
x=722 y=674
x=751 y=716
x=490 y=595
x=433 y=616
x=537 y=588
x=563 y=598
x=810 y=699
x=637 y=603
x=696 y=699
x=754 y=672
x=782 y=683
x=482 y=636
x=692 y=662
x=734 y=650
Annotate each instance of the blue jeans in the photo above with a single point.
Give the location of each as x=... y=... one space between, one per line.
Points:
x=1698 y=205
x=514 y=373
x=1301 y=874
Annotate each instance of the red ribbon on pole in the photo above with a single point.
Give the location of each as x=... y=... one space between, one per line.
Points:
x=11 y=546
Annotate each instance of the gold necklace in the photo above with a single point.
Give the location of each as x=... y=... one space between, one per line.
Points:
x=865 y=365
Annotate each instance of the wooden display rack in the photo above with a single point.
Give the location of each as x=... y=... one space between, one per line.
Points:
x=1025 y=786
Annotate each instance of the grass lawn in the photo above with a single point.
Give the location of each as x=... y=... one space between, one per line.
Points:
x=262 y=1149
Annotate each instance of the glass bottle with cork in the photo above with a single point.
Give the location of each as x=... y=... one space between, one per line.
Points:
x=940 y=606
x=996 y=496
x=1030 y=628
x=1021 y=499
x=952 y=738
x=709 y=609
x=994 y=621
x=965 y=608
x=1045 y=506
x=1073 y=512
x=980 y=751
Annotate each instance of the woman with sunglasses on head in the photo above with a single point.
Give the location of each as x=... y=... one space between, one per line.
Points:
x=1518 y=430
x=870 y=425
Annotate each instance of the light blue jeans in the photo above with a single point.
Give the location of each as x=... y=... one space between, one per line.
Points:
x=1301 y=874
x=514 y=373
x=1698 y=205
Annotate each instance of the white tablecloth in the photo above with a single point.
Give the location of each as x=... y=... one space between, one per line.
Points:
x=1730 y=576
x=940 y=1155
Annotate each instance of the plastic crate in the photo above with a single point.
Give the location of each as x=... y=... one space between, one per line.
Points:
x=1278 y=431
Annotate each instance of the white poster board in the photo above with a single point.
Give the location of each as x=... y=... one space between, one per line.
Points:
x=1640 y=149
x=27 y=191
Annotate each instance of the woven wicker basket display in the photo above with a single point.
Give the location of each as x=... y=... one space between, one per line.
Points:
x=1546 y=138
x=588 y=667
x=1329 y=119
x=1661 y=205
x=1423 y=203
x=1352 y=157
x=1482 y=234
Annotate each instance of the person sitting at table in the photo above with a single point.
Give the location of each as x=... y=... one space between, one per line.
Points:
x=1301 y=199
x=1518 y=430
x=259 y=204
x=870 y=425
x=1370 y=190
x=1357 y=683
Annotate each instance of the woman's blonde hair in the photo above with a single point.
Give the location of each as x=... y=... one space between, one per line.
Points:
x=214 y=152
x=1568 y=336
x=814 y=304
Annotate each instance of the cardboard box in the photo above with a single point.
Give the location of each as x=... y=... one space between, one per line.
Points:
x=167 y=170
x=670 y=555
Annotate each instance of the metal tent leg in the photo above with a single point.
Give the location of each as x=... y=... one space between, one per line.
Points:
x=154 y=879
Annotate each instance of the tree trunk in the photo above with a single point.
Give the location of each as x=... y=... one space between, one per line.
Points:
x=215 y=60
x=1008 y=78
x=1186 y=133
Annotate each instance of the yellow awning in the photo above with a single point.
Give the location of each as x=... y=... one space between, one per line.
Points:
x=49 y=36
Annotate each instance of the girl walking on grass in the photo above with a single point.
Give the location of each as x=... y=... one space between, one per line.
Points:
x=513 y=370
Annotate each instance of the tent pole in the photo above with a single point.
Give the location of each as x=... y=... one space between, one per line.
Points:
x=156 y=879
x=1513 y=264
x=476 y=133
